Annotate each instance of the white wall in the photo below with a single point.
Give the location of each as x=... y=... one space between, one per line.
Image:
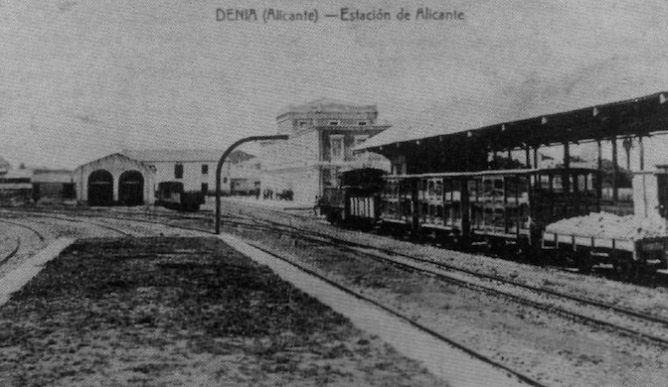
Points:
x=193 y=177
x=192 y=174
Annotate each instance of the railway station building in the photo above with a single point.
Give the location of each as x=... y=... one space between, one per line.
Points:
x=322 y=136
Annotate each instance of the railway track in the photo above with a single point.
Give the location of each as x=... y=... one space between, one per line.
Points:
x=628 y=322
x=411 y=321
x=555 y=303
x=32 y=229
x=393 y=256
x=17 y=247
x=567 y=305
x=74 y=220
x=12 y=252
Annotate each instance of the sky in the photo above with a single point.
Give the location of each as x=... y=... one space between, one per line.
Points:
x=83 y=79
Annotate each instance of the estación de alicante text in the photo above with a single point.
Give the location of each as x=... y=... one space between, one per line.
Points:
x=425 y=13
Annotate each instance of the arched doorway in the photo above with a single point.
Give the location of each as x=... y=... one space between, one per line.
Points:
x=131 y=188
x=100 y=188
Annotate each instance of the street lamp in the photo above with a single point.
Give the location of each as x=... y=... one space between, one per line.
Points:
x=222 y=160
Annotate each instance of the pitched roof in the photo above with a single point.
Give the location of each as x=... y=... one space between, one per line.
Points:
x=327 y=105
x=112 y=156
x=185 y=155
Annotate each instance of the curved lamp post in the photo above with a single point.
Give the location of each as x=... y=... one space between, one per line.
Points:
x=222 y=160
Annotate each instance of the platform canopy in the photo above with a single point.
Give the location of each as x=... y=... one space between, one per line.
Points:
x=640 y=116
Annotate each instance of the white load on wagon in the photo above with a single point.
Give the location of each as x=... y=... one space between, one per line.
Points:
x=605 y=230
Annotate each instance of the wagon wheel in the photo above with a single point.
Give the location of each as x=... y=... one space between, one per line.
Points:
x=585 y=263
x=625 y=269
x=496 y=246
x=533 y=255
x=564 y=258
x=334 y=218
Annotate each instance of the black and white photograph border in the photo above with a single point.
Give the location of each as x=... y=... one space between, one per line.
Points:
x=314 y=193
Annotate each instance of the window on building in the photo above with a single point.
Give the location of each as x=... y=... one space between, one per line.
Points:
x=178 y=171
x=334 y=123
x=359 y=140
x=362 y=123
x=205 y=188
x=224 y=180
x=302 y=124
x=205 y=169
x=336 y=147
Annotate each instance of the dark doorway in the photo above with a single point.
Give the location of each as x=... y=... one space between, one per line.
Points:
x=100 y=188
x=662 y=180
x=131 y=189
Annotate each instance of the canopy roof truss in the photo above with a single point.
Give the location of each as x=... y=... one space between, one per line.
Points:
x=630 y=118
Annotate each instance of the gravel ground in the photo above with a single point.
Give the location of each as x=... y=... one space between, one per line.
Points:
x=549 y=348
x=552 y=349
x=189 y=312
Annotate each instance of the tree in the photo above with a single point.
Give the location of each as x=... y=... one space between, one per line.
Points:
x=501 y=162
x=624 y=176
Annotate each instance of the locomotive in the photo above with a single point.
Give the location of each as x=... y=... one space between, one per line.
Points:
x=504 y=209
x=170 y=194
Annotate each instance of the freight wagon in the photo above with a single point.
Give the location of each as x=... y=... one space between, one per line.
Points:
x=506 y=209
x=170 y=194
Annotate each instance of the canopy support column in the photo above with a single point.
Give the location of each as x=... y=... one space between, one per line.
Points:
x=615 y=170
x=642 y=153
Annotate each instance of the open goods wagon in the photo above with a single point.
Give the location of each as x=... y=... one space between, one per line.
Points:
x=627 y=243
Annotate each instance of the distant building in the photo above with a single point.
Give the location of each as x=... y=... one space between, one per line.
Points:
x=15 y=184
x=52 y=184
x=24 y=185
x=322 y=136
